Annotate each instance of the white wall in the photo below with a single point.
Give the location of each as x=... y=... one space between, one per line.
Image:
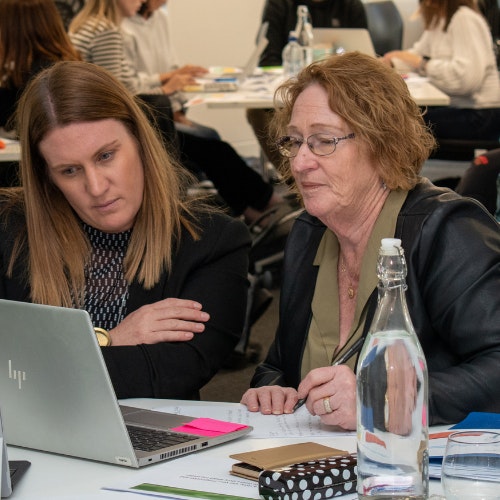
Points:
x=216 y=33
x=222 y=32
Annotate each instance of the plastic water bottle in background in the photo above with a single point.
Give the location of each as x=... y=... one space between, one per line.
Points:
x=304 y=31
x=392 y=397
x=293 y=56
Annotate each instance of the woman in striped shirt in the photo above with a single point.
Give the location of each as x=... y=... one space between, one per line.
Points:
x=95 y=32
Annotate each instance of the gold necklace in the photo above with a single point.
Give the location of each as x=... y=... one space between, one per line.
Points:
x=351 y=292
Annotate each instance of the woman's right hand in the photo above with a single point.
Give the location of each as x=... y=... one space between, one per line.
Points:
x=270 y=399
x=168 y=320
x=177 y=82
x=191 y=69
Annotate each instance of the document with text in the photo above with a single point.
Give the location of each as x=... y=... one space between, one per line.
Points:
x=300 y=424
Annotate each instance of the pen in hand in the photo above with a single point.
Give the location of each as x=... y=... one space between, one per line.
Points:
x=347 y=355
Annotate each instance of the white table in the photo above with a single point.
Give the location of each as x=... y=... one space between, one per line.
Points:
x=11 y=152
x=53 y=476
x=423 y=92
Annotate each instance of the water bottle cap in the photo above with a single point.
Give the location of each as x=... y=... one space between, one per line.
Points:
x=390 y=246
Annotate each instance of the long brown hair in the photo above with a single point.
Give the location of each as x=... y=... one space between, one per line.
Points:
x=30 y=30
x=432 y=11
x=376 y=104
x=73 y=92
x=103 y=10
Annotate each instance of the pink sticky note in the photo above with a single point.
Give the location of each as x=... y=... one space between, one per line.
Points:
x=208 y=427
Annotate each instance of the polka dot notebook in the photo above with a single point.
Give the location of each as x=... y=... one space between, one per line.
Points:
x=318 y=479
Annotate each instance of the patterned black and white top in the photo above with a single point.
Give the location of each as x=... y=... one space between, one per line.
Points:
x=106 y=290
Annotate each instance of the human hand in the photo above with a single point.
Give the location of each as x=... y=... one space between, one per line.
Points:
x=270 y=399
x=187 y=70
x=180 y=117
x=168 y=320
x=177 y=82
x=191 y=69
x=387 y=59
x=331 y=388
x=409 y=59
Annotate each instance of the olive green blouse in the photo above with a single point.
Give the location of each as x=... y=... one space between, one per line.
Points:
x=323 y=336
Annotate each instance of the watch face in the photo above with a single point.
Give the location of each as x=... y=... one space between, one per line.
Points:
x=102 y=338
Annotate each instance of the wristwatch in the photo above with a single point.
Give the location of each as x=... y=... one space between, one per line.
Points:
x=422 y=69
x=103 y=337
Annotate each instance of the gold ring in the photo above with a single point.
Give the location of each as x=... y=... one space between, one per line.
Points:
x=326 y=404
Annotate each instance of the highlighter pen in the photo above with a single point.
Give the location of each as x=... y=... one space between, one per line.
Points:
x=347 y=355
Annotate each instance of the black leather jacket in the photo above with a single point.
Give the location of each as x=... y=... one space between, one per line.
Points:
x=452 y=248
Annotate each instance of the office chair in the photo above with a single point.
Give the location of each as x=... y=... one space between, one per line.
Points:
x=385 y=25
x=480 y=180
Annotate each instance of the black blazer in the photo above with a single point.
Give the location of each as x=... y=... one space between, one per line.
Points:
x=212 y=270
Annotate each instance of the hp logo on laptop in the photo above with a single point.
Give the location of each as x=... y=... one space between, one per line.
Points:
x=18 y=375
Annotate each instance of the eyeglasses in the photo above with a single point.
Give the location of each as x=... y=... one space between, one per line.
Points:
x=319 y=144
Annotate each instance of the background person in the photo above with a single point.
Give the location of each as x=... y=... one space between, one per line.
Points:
x=102 y=223
x=282 y=18
x=149 y=48
x=354 y=148
x=464 y=67
x=32 y=37
x=96 y=34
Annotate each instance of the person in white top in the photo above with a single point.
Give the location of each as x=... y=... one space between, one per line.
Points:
x=97 y=35
x=456 y=53
x=149 y=48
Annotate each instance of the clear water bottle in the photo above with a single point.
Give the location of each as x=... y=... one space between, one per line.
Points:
x=392 y=397
x=304 y=31
x=293 y=56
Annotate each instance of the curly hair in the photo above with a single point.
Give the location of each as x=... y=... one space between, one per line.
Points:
x=375 y=102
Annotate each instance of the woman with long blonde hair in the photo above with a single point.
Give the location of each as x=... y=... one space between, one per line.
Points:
x=102 y=223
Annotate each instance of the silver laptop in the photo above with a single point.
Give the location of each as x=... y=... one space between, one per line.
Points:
x=348 y=39
x=56 y=394
x=11 y=471
x=231 y=82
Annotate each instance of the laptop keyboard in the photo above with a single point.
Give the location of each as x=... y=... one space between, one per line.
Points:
x=153 y=439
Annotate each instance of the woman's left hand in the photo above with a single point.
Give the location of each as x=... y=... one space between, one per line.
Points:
x=168 y=320
x=331 y=394
x=409 y=58
x=191 y=69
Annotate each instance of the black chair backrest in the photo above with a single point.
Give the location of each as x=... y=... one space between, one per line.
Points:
x=480 y=180
x=385 y=25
